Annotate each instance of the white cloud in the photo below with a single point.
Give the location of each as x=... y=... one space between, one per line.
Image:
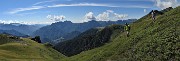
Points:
x=120 y=16
x=111 y=11
x=25 y=9
x=128 y=6
x=95 y=4
x=79 y=4
x=43 y=2
x=145 y=10
x=24 y=14
x=166 y=3
x=56 y=18
x=106 y=16
x=17 y=10
x=27 y=22
x=9 y=21
x=89 y=16
x=103 y=16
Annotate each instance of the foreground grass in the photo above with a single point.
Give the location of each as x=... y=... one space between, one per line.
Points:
x=28 y=50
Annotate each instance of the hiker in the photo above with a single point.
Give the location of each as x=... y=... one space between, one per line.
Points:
x=127 y=29
x=153 y=15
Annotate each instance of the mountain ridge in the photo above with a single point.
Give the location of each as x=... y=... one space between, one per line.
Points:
x=22 y=28
x=60 y=29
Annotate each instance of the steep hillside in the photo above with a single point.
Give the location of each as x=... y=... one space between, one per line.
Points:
x=89 y=39
x=148 y=41
x=62 y=29
x=14 y=49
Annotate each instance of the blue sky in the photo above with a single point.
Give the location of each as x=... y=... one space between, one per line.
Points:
x=49 y=11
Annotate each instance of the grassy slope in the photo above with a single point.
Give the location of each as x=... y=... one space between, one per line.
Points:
x=148 y=41
x=27 y=50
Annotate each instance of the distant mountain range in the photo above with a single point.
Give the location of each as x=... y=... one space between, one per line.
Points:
x=13 y=33
x=21 y=28
x=60 y=30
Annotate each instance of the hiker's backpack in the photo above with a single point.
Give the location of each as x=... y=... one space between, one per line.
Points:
x=128 y=27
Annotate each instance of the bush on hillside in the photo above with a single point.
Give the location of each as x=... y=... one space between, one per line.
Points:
x=48 y=44
x=37 y=39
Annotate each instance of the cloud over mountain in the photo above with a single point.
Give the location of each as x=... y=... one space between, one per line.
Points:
x=9 y=21
x=166 y=3
x=56 y=18
x=120 y=16
x=145 y=10
x=90 y=16
x=105 y=16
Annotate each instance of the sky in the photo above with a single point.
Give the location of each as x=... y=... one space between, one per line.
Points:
x=77 y=11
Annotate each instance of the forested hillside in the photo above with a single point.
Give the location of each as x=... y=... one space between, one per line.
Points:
x=89 y=39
